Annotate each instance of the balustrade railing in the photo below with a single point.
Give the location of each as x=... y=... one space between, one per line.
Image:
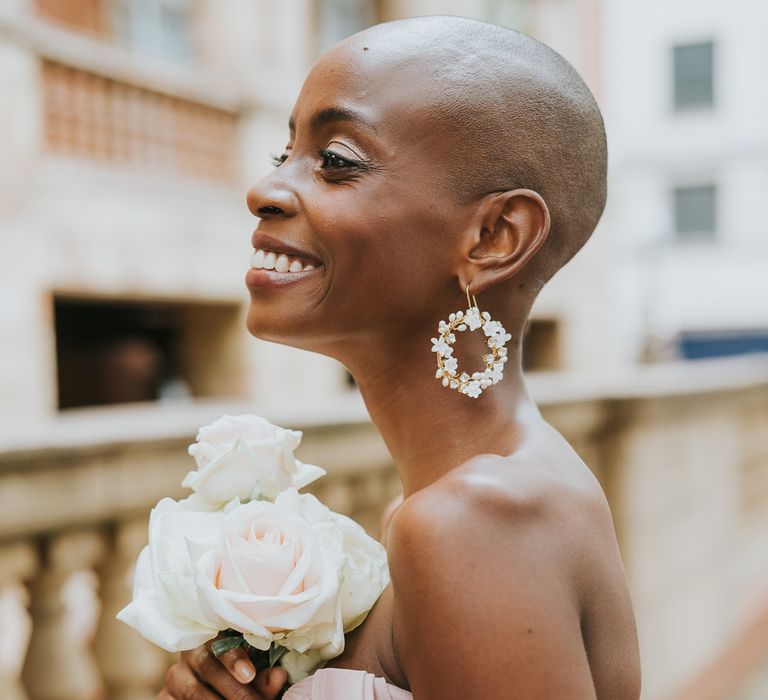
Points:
x=69 y=541
x=94 y=117
x=63 y=658
x=672 y=460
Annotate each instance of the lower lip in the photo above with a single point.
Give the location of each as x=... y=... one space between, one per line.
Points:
x=259 y=277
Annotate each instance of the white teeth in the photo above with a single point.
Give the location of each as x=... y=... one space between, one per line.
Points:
x=269 y=261
x=282 y=264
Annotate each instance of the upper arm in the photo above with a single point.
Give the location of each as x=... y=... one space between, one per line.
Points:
x=484 y=603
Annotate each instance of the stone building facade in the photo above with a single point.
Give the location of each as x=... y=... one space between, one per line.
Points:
x=129 y=133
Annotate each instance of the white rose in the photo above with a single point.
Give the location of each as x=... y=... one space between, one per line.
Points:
x=291 y=572
x=246 y=457
x=275 y=576
x=365 y=574
x=165 y=608
x=299 y=666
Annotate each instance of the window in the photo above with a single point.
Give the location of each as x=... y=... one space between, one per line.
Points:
x=159 y=28
x=337 y=19
x=122 y=351
x=507 y=13
x=541 y=345
x=693 y=76
x=694 y=212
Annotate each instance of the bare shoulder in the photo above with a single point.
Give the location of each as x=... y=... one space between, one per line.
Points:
x=482 y=569
x=565 y=513
x=512 y=562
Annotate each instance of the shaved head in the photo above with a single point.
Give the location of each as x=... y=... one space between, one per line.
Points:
x=518 y=114
x=427 y=158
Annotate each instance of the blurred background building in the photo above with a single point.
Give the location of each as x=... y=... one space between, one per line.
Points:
x=129 y=133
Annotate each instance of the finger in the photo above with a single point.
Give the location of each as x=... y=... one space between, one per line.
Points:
x=236 y=661
x=182 y=683
x=212 y=673
x=270 y=681
x=165 y=695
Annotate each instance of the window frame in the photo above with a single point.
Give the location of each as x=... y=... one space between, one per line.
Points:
x=681 y=104
x=694 y=234
x=130 y=19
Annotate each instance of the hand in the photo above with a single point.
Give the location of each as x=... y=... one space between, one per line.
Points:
x=231 y=676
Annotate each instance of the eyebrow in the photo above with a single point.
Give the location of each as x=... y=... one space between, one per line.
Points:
x=334 y=114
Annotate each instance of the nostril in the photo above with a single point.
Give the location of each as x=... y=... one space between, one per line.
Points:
x=270 y=209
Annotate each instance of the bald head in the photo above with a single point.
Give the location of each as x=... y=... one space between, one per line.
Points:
x=518 y=116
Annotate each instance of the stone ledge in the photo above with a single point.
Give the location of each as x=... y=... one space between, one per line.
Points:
x=663 y=380
x=120 y=426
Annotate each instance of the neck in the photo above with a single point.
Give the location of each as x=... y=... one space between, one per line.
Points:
x=430 y=429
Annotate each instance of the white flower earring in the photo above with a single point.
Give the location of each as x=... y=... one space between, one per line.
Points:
x=472 y=318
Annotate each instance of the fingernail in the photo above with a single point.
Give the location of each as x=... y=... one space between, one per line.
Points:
x=244 y=671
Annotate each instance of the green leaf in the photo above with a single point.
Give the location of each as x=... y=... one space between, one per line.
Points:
x=275 y=654
x=225 y=644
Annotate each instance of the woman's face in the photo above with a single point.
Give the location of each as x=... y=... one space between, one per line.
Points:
x=359 y=187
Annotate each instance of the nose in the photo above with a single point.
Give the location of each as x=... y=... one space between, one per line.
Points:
x=270 y=197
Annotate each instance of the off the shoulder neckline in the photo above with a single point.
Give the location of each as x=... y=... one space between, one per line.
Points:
x=345 y=684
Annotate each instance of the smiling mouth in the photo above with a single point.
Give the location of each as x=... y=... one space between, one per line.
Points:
x=264 y=259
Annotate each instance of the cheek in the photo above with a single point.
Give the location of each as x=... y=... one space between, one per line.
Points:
x=388 y=251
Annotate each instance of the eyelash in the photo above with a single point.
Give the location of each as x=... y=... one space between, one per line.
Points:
x=326 y=155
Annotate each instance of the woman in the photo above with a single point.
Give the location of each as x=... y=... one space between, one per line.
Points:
x=432 y=160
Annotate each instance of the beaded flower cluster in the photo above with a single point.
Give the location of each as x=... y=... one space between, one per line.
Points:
x=472 y=319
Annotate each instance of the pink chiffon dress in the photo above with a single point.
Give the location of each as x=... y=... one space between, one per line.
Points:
x=345 y=684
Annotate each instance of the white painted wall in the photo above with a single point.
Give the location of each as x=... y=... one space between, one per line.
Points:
x=664 y=286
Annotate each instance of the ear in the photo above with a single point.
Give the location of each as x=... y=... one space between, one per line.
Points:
x=512 y=226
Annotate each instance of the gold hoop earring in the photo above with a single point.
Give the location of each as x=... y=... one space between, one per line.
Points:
x=496 y=338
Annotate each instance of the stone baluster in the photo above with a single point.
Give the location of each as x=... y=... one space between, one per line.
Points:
x=17 y=564
x=59 y=665
x=133 y=668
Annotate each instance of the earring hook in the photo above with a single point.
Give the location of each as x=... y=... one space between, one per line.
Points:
x=469 y=303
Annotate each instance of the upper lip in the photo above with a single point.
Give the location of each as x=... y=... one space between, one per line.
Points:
x=262 y=240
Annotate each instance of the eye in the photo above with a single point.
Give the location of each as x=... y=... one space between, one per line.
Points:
x=333 y=161
x=278 y=160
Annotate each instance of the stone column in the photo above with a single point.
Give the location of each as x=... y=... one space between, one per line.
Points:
x=17 y=564
x=133 y=668
x=58 y=666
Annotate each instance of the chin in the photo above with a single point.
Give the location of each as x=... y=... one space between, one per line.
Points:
x=286 y=331
x=295 y=335
x=265 y=329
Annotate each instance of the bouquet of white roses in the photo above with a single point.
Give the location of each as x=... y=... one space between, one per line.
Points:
x=246 y=553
